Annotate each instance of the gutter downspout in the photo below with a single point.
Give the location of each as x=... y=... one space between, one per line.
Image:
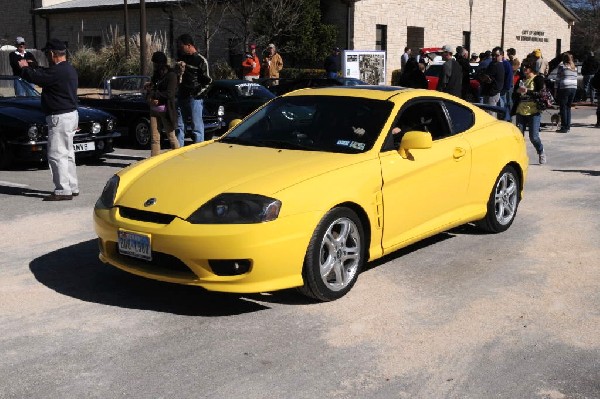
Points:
x=33 y=27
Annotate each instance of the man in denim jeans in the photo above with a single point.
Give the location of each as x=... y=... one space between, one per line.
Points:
x=194 y=79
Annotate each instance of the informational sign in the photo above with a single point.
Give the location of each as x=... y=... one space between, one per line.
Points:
x=368 y=66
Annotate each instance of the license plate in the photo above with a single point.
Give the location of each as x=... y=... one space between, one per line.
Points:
x=136 y=245
x=89 y=146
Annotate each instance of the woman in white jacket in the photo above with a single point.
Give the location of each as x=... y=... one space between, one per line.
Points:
x=567 y=86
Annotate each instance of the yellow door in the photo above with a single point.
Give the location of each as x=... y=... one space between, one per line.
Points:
x=424 y=193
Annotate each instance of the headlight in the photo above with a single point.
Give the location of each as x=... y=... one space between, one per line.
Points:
x=110 y=125
x=237 y=208
x=96 y=128
x=33 y=132
x=107 y=198
x=221 y=110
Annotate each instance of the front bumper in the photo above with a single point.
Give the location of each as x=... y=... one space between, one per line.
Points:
x=182 y=251
x=37 y=150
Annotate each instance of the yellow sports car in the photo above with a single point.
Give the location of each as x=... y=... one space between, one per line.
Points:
x=309 y=187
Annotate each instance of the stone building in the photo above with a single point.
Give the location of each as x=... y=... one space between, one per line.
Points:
x=362 y=24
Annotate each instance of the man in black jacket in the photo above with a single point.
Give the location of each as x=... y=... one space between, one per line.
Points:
x=195 y=78
x=59 y=103
x=450 y=80
x=588 y=69
x=491 y=89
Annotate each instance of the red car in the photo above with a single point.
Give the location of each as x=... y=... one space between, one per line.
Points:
x=433 y=72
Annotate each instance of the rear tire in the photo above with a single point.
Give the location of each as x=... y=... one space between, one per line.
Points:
x=140 y=133
x=503 y=202
x=334 y=257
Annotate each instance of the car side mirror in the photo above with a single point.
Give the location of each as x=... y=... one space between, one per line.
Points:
x=234 y=123
x=414 y=140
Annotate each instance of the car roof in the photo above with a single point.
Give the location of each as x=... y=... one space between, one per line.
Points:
x=367 y=91
x=232 y=82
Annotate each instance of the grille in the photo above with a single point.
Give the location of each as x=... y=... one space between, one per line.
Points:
x=161 y=263
x=145 y=216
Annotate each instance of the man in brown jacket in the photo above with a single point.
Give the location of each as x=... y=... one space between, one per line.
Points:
x=272 y=64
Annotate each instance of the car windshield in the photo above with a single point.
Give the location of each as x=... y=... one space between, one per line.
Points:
x=16 y=87
x=126 y=86
x=433 y=70
x=253 y=90
x=314 y=123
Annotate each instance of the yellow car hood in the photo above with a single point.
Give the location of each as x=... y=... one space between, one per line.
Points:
x=182 y=183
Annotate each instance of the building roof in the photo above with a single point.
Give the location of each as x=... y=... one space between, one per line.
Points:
x=567 y=12
x=89 y=5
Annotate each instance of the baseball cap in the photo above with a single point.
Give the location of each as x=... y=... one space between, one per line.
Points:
x=447 y=48
x=271 y=45
x=252 y=46
x=159 y=57
x=54 y=44
x=20 y=40
x=537 y=52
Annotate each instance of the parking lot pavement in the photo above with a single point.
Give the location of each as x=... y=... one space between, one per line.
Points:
x=460 y=315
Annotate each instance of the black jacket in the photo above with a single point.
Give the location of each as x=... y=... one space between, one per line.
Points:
x=15 y=57
x=496 y=72
x=450 y=80
x=59 y=87
x=195 y=78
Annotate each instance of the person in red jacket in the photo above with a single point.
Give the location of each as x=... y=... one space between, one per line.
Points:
x=251 y=64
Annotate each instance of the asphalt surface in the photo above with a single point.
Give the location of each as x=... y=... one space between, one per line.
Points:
x=460 y=315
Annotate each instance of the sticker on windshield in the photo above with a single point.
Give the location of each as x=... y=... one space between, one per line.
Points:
x=352 y=144
x=247 y=89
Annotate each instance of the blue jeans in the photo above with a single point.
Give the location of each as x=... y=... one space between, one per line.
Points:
x=588 y=88
x=531 y=122
x=565 y=98
x=189 y=107
x=503 y=103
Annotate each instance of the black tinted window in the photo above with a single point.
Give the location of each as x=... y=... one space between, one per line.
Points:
x=461 y=118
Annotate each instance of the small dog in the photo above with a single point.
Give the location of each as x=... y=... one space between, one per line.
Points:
x=555 y=119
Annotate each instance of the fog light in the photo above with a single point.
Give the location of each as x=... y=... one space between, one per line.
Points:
x=229 y=267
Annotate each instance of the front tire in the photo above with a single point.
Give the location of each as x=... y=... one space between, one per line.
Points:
x=5 y=155
x=503 y=202
x=335 y=256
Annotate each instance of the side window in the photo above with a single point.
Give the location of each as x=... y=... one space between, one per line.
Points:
x=426 y=116
x=461 y=118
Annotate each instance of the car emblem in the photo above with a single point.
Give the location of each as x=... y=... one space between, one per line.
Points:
x=150 y=202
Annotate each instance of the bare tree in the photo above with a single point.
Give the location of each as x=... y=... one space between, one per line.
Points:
x=278 y=19
x=243 y=14
x=206 y=17
x=586 y=35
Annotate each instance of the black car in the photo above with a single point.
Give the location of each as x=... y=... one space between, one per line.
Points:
x=24 y=133
x=237 y=97
x=124 y=97
x=282 y=86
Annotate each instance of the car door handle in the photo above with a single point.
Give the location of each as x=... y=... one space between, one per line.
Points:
x=459 y=153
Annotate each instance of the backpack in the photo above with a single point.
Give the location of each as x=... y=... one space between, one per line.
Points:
x=544 y=100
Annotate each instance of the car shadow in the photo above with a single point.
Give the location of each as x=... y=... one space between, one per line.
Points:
x=24 y=192
x=593 y=173
x=77 y=272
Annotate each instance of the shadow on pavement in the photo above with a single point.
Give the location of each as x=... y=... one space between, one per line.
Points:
x=594 y=173
x=75 y=271
x=25 y=192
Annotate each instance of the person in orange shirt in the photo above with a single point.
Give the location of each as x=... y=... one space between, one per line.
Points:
x=251 y=64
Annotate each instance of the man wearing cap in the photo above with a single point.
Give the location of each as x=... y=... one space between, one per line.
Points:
x=450 y=80
x=541 y=65
x=59 y=103
x=332 y=63
x=251 y=64
x=21 y=54
x=272 y=64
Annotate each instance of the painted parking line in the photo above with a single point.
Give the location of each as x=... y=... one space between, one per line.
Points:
x=11 y=184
